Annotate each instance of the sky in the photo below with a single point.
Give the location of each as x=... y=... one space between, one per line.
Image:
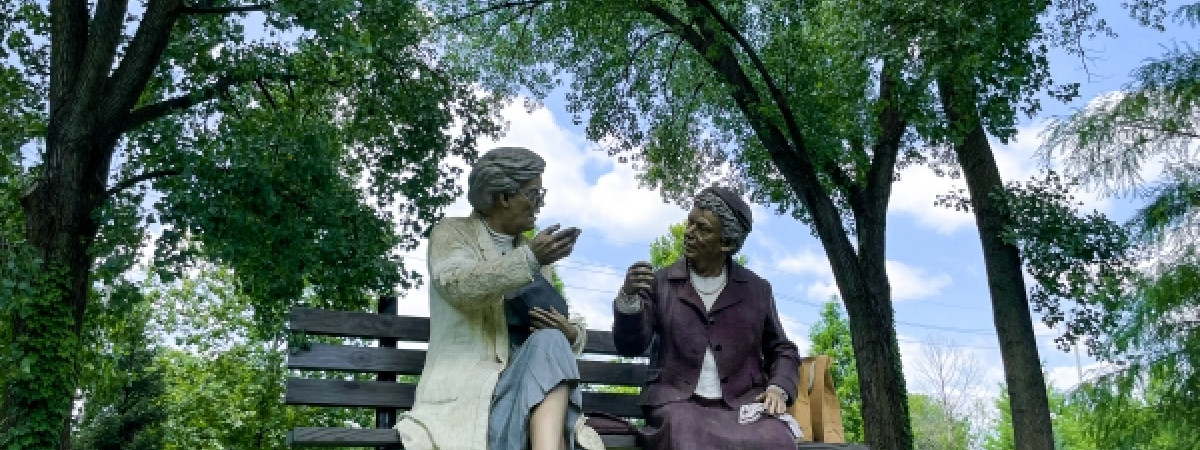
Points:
x=934 y=260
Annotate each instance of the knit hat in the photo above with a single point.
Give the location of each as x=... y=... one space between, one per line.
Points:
x=741 y=210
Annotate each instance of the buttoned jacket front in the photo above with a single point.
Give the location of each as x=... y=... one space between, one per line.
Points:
x=742 y=329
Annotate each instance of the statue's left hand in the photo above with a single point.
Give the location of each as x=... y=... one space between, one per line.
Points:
x=542 y=318
x=773 y=400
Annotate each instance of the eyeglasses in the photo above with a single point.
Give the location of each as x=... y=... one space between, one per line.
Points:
x=536 y=196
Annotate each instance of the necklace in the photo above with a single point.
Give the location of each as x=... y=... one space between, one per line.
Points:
x=700 y=283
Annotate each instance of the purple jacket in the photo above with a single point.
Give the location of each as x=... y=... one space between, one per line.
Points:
x=742 y=329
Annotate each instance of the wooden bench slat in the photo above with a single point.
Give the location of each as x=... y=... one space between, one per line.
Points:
x=370 y=394
x=600 y=342
x=370 y=437
x=342 y=437
x=602 y=372
x=410 y=362
x=624 y=405
x=357 y=359
x=387 y=394
x=358 y=324
x=403 y=328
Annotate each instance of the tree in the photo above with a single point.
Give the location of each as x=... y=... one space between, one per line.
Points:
x=1072 y=424
x=1150 y=332
x=984 y=66
x=830 y=335
x=124 y=393
x=260 y=148
x=935 y=427
x=800 y=106
x=223 y=384
x=950 y=379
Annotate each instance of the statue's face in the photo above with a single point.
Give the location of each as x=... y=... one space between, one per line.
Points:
x=702 y=237
x=517 y=213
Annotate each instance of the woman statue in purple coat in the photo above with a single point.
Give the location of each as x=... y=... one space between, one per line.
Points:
x=714 y=338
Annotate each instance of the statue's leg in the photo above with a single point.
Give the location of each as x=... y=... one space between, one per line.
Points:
x=546 y=423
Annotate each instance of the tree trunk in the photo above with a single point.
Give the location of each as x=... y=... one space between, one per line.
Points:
x=872 y=328
x=90 y=99
x=862 y=279
x=1010 y=305
x=60 y=225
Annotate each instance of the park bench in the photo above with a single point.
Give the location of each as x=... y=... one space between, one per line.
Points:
x=387 y=396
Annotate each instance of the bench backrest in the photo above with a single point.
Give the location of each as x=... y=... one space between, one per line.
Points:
x=393 y=361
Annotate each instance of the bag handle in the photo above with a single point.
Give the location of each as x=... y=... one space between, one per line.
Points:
x=812 y=375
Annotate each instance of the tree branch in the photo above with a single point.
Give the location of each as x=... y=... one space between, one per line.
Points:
x=141 y=57
x=103 y=37
x=147 y=113
x=796 y=166
x=839 y=177
x=266 y=93
x=130 y=182
x=68 y=40
x=493 y=8
x=892 y=126
x=190 y=9
x=638 y=49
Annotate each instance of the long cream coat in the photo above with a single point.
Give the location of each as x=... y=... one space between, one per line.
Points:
x=468 y=339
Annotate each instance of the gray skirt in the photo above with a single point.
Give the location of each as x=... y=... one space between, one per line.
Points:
x=544 y=361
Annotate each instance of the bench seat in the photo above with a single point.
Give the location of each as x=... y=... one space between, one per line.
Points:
x=351 y=437
x=388 y=396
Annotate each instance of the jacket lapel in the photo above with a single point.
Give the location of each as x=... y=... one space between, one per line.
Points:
x=678 y=274
x=735 y=287
x=492 y=319
x=483 y=239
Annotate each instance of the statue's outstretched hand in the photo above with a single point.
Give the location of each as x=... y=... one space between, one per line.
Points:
x=638 y=278
x=551 y=245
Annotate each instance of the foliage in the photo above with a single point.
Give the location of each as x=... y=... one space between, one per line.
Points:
x=949 y=378
x=646 y=93
x=935 y=427
x=224 y=387
x=285 y=140
x=1146 y=399
x=131 y=414
x=1072 y=424
x=1139 y=409
x=830 y=335
x=1079 y=262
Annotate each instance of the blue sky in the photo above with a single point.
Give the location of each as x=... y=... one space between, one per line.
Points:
x=934 y=259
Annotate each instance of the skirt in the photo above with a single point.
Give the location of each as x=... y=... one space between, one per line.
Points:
x=700 y=423
x=543 y=362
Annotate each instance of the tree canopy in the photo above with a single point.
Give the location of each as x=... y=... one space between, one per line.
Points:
x=303 y=144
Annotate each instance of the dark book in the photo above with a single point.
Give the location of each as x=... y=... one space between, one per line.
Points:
x=539 y=293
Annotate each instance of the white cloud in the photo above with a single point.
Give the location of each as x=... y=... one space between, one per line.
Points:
x=611 y=205
x=796 y=331
x=614 y=204
x=914 y=195
x=917 y=189
x=908 y=282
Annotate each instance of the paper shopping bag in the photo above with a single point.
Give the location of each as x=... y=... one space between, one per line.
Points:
x=816 y=408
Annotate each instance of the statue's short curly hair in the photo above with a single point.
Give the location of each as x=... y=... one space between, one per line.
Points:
x=732 y=230
x=501 y=170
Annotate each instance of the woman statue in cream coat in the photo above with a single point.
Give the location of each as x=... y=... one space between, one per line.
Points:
x=481 y=390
